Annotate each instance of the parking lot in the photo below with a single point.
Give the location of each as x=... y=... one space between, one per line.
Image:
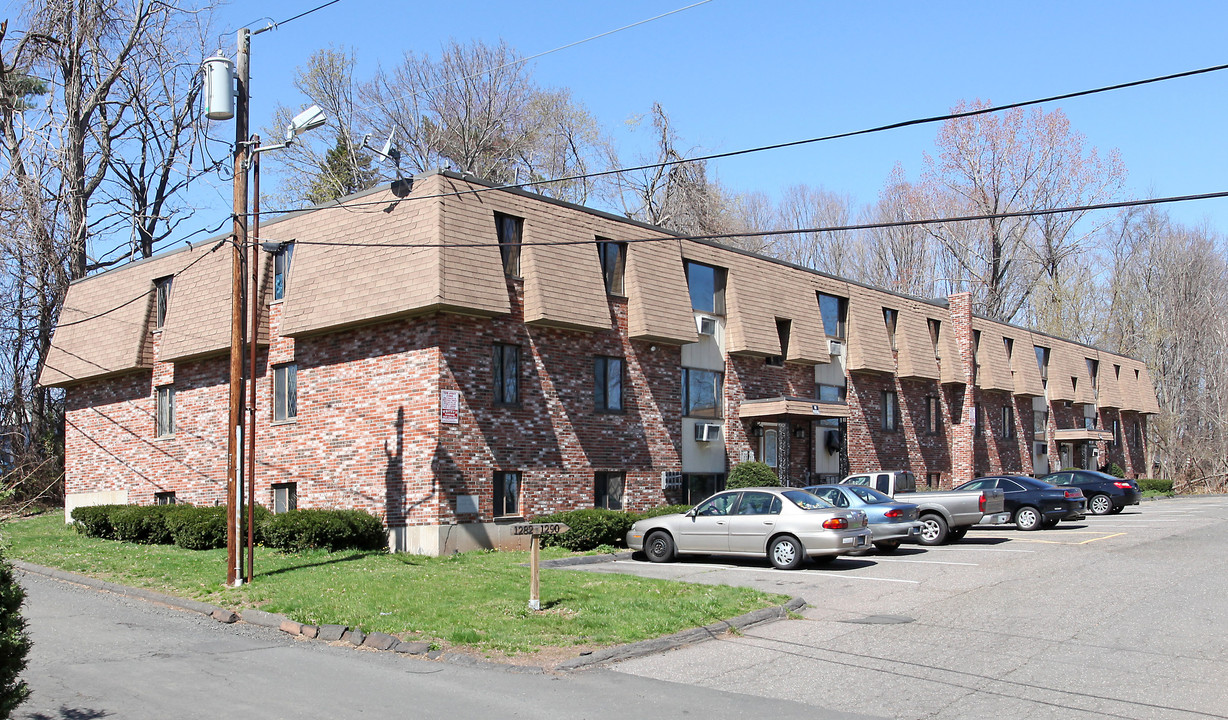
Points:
x=1115 y=616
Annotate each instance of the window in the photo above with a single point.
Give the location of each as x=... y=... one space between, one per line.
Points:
x=164 y=498
x=285 y=497
x=976 y=355
x=759 y=503
x=769 y=446
x=891 y=411
x=505 y=365
x=1138 y=434
x=613 y=257
x=1116 y=433
x=608 y=383
x=979 y=424
x=717 y=506
x=281 y=270
x=933 y=479
x=1117 y=372
x=1008 y=422
x=509 y=231
x=707 y=287
x=1010 y=348
x=506 y=493
x=701 y=393
x=285 y=392
x=831 y=393
x=700 y=486
x=889 y=318
x=935 y=330
x=1042 y=362
x=608 y=490
x=1040 y=422
x=783 y=329
x=834 y=311
x=166 y=411
x=163 y=286
x=1093 y=367
x=933 y=412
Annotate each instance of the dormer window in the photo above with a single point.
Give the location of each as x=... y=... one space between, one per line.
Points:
x=1042 y=362
x=163 y=287
x=935 y=329
x=281 y=270
x=613 y=256
x=1093 y=368
x=890 y=317
x=707 y=287
x=509 y=230
x=834 y=311
x=783 y=329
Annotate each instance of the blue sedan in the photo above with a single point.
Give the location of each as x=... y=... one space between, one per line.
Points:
x=891 y=522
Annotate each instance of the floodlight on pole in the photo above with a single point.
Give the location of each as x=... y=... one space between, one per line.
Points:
x=309 y=119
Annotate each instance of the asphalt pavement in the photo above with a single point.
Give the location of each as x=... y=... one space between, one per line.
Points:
x=1122 y=616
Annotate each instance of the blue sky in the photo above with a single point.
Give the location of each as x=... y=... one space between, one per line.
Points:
x=735 y=74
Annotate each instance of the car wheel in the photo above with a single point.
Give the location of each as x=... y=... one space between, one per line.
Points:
x=1100 y=505
x=1028 y=518
x=1049 y=524
x=887 y=547
x=659 y=547
x=933 y=530
x=1117 y=508
x=957 y=534
x=786 y=552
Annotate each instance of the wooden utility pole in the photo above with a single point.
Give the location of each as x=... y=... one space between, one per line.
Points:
x=234 y=441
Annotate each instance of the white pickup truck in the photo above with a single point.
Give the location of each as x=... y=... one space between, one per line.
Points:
x=945 y=515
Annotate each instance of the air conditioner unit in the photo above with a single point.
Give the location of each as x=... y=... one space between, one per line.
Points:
x=707 y=432
x=835 y=347
x=706 y=326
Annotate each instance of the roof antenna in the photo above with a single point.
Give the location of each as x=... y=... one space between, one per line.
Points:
x=401 y=186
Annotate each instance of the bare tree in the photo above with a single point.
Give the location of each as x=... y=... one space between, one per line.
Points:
x=898 y=258
x=803 y=206
x=1008 y=162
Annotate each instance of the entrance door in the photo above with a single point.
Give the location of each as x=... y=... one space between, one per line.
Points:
x=768 y=445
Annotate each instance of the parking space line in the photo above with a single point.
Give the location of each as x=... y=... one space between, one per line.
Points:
x=1071 y=532
x=923 y=562
x=986 y=549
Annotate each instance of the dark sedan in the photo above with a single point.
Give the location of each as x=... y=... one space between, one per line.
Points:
x=1105 y=494
x=1033 y=503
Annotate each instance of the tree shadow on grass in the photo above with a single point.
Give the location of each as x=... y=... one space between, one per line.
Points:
x=321 y=563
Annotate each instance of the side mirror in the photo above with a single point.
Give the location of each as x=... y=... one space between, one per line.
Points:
x=691 y=513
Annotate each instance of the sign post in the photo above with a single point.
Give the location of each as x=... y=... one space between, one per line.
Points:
x=537 y=530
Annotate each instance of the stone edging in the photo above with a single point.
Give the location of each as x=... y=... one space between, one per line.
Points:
x=383 y=641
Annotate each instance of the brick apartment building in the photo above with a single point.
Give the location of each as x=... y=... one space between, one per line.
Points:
x=453 y=359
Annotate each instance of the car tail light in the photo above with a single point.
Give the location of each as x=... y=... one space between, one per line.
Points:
x=981 y=503
x=836 y=523
x=894 y=513
x=1074 y=494
x=1124 y=485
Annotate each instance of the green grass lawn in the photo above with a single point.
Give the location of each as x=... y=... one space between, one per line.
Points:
x=477 y=599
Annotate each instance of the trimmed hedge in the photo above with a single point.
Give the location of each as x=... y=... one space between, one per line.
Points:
x=752 y=474
x=664 y=510
x=331 y=530
x=1156 y=485
x=590 y=527
x=204 y=528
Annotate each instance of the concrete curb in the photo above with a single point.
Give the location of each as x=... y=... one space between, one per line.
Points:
x=682 y=639
x=381 y=641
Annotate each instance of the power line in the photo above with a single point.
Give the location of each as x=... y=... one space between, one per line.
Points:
x=795 y=143
x=800 y=231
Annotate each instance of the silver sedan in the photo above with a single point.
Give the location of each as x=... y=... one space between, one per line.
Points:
x=785 y=524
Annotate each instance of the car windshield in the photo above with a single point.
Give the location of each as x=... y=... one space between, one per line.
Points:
x=870 y=496
x=805 y=500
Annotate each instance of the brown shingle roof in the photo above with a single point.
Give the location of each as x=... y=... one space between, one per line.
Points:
x=658 y=304
x=1024 y=370
x=198 y=319
x=105 y=324
x=1138 y=391
x=994 y=372
x=1108 y=394
x=869 y=346
x=916 y=348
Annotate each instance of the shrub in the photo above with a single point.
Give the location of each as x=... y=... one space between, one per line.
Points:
x=331 y=530
x=752 y=474
x=144 y=523
x=590 y=528
x=1115 y=470
x=1156 y=485
x=95 y=520
x=197 y=528
x=663 y=510
x=14 y=642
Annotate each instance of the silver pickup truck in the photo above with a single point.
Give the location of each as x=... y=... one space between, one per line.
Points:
x=945 y=515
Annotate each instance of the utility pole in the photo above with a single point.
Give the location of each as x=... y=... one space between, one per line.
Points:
x=234 y=441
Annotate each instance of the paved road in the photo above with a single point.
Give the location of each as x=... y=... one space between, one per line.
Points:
x=1123 y=616
x=101 y=655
